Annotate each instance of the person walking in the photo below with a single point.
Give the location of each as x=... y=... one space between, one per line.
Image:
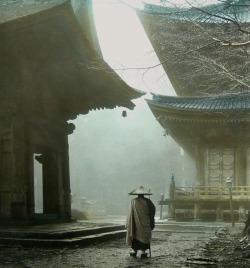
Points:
x=140 y=222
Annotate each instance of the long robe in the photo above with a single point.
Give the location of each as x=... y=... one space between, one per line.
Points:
x=140 y=221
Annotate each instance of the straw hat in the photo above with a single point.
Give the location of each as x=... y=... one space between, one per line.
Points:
x=140 y=190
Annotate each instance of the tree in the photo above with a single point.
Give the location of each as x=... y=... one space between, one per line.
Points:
x=203 y=48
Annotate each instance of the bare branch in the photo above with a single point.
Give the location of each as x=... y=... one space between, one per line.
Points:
x=237 y=24
x=228 y=43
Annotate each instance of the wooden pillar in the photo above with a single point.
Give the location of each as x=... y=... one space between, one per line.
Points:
x=200 y=176
x=19 y=152
x=200 y=172
x=197 y=211
x=66 y=179
x=219 y=212
x=15 y=172
x=29 y=183
x=31 y=189
x=171 y=209
x=49 y=185
x=6 y=176
x=240 y=165
x=52 y=183
x=242 y=213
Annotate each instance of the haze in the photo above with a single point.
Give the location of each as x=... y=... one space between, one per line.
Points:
x=110 y=155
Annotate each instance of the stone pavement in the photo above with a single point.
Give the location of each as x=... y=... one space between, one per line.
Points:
x=85 y=232
x=174 y=244
x=196 y=226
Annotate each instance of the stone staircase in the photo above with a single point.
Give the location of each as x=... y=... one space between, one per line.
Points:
x=60 y=235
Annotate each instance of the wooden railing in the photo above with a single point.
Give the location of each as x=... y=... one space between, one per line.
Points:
x=209 y=192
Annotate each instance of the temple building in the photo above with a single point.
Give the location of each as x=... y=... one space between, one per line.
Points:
x=215 y=131
x=51 y=71
x=210 y=116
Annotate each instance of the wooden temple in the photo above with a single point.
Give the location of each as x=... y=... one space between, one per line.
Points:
x=210 y=117
x=51 y=71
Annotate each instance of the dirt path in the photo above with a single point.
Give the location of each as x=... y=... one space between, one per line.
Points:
x=168 y=250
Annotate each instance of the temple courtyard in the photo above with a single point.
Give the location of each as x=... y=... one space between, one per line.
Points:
x=174 y=244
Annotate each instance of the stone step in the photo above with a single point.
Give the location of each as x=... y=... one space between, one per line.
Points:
x=62 y=242
x=57 y=233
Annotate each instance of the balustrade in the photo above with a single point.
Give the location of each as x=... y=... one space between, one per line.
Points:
x=219 y=192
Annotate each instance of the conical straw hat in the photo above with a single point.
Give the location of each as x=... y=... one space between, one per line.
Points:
x=140 y=190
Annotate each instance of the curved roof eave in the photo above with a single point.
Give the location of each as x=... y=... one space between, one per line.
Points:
x=227 y=107
x=47 y=52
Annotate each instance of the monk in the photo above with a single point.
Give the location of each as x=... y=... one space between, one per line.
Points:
x=140 y=222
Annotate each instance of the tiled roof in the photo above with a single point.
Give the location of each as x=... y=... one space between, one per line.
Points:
x=188 y=55
x=61 y=79
x=226 y=102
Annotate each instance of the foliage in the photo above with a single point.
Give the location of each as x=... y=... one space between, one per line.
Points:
x=207 y=45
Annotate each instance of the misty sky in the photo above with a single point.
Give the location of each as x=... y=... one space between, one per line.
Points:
x=125 y=44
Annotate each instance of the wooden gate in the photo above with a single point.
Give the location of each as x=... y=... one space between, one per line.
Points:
x=219 y=164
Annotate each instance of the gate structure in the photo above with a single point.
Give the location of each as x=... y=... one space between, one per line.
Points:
x=51 y=71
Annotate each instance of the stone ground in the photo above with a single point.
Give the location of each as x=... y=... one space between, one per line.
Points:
x=168 y=250
x=173 y=245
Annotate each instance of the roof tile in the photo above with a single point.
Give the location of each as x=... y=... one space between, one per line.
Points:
x=225 y=102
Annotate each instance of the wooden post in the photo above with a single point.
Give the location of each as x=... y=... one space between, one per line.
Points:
x=231 y=207
x=18 y=163
x=197 y=212
x=66 y=180
x=219 y=212
x=162 y=198
x=240 y=168
x=200 y=173
x=242 y=213
x=52 y=180
x=171 y=210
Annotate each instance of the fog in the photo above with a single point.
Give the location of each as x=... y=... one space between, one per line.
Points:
x=110 y=155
